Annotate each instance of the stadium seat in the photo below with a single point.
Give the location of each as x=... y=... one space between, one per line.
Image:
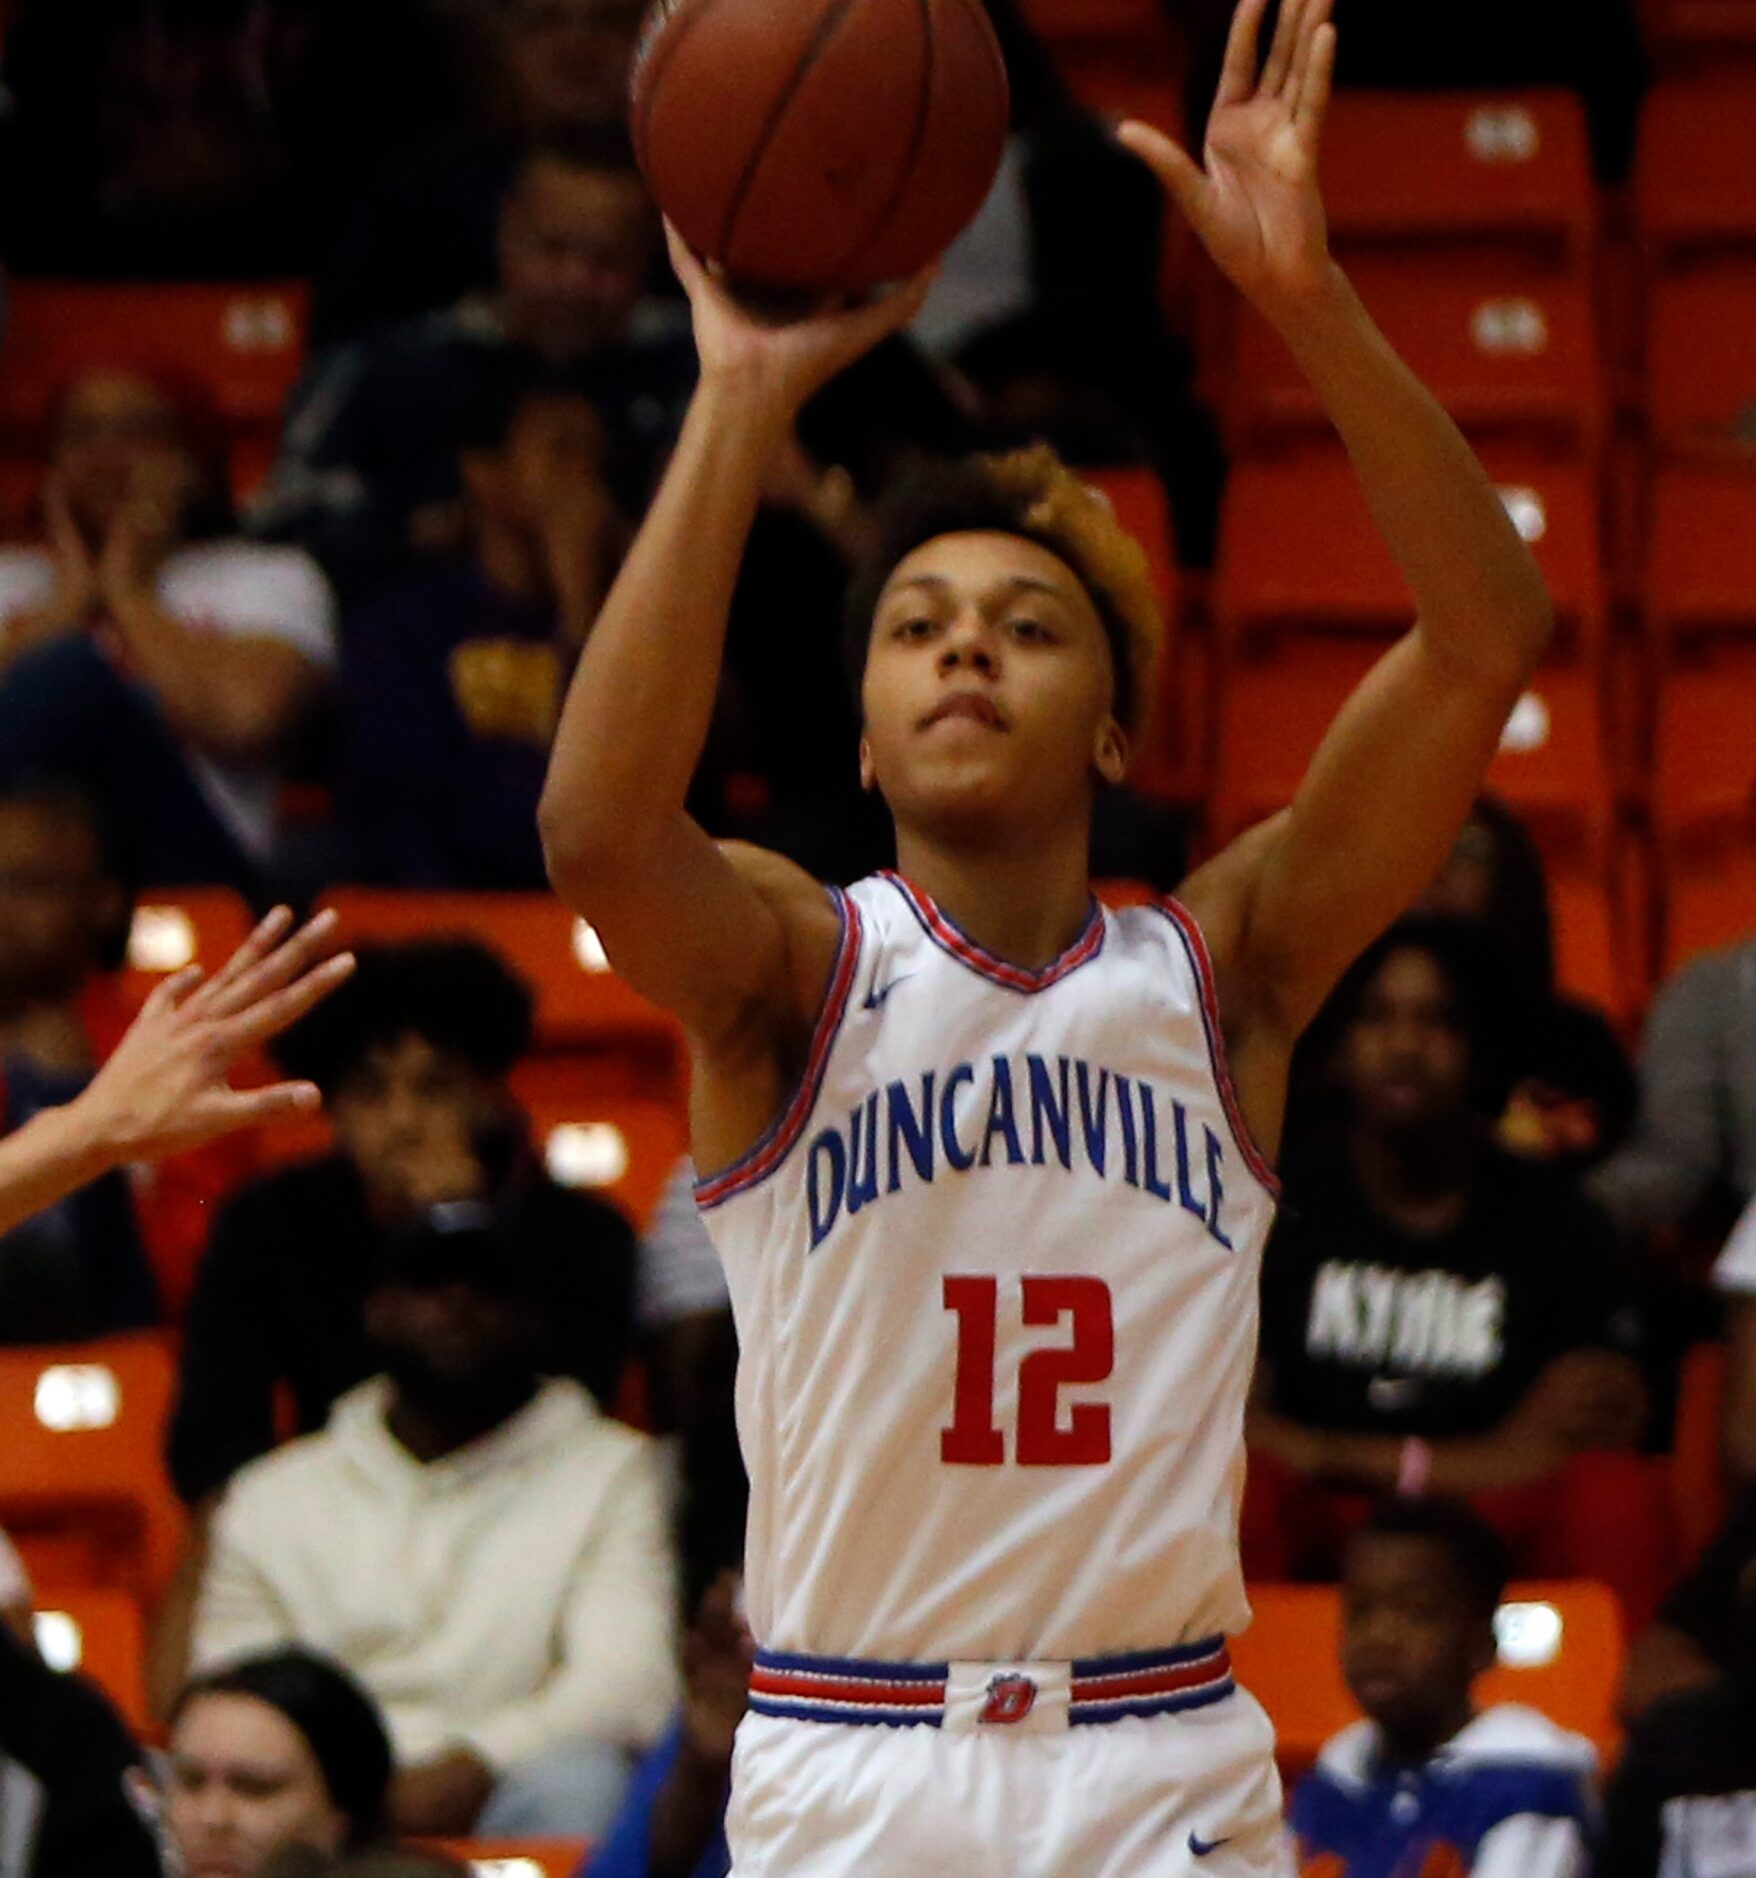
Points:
x=1701 y=553
x=1694 y=27
x=83 y=1489
x=1698 y=1484
x=1560 y=1652
x=516 y=1858
x=183 y=926
x=1507 y=346
x=1709 y=895
x=1704 y=770
x=1552 y=769
x=1298 y=549
x=581 y=1004
x=100 y=1633
x=625 y=1147
x=1701 y=358
x=1508 y=168
x=243 y=343
x=1695 y=172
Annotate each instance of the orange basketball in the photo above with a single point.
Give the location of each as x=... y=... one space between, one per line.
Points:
x=820 y=146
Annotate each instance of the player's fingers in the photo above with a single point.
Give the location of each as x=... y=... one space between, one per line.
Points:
x=269 y=1016
x=169 y=993
x=288 y=961
x=1237 y=79
x=226 y=1109
x=1181 y=175
x=1282 y=59
x=270 y=930
x=1315 y=85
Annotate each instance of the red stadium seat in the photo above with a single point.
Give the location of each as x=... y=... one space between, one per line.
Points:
x=624 y=1147
x=1695 y=174
x=83 y=1489
x=1693 y=27
x=1701 y=358
x=1510 y=168
x=1701 y=555
x=243 y=343
x=101 y=1634
x=1552 y=769
x=1507 y=346
x=581 y=1005
x=183 y=926
x=1709 y=898
x=1560 y=1652
x=1298 y=548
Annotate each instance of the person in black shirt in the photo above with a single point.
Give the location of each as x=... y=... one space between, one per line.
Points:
x=1696 y=1636
x=1435 y=1311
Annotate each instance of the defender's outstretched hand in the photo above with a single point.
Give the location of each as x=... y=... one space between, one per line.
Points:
x=1256 y=204
x=792 y=360
x=165 y=1088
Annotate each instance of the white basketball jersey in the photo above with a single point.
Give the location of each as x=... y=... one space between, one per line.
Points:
x=994 y=1271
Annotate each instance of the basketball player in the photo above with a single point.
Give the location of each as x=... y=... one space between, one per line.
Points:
x=990 y=1200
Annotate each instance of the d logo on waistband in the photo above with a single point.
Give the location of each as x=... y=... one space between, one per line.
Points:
x=1011 y=1697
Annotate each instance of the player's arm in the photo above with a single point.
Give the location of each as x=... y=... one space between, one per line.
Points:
x=716 y=937
x=1395 y=777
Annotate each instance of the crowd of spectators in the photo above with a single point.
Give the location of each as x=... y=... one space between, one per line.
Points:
x=435 y=1585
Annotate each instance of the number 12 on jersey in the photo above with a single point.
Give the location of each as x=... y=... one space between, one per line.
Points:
x=1042 y=1440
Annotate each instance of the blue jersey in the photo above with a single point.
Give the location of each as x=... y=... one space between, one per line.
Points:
x=1510 y=1796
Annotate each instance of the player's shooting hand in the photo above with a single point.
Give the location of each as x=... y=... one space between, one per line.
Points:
x=786 y=363
x=1255 y=201
x=166 y=1087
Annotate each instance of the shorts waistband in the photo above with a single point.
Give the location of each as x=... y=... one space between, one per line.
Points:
x=1032 y=1697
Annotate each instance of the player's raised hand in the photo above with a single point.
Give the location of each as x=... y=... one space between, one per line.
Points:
x=789 y=361
x=1254 y=201
x=166 y=1087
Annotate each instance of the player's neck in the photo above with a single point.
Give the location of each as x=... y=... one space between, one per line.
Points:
x=1026 y=902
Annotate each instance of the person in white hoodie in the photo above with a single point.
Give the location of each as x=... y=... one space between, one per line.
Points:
x=487 y=1553
x=1427 y=1786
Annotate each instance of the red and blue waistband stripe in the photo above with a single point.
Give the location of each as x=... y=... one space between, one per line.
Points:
x=906 y=1695
x=778 y=1142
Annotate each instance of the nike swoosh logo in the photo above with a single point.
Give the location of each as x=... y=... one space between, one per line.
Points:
x=875 y=998
x=1201 y=1847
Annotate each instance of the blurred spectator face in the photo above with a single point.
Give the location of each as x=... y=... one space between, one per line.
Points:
x=553 y=443
x=575 y=246
x=456 y=1341
x=1405 y=1059
x=57 y=902
x=244 y=1785
x=407 y=1115
x=573 y=58
x=1412 y=1639
x=118 y=440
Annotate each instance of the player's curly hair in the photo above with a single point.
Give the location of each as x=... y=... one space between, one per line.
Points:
x=1033 y=494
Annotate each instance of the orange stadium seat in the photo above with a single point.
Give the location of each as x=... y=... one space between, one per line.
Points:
x=1701 y=357
x=100 y=1633
x=1506 y=345
x=625 y=1147
x=1298 y=548
x=1698 y=1482
x=1685 y=27
x=516 y=1858
x=1560 y=1652
x=1552 y=768
x=581 y=1004
x=83 y=1489
x=1503 y=167
x=1695 y=173
x=183 y=926
x=1701 y=555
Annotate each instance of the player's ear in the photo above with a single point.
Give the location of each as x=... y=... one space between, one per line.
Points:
x=1113 y=751
x=868 y=770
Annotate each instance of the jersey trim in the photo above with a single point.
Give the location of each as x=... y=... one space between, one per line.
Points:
x=1195 y=944
x=950 y=938
x=783 y=1133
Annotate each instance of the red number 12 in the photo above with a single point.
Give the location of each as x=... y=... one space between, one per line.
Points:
x=972 y=1440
